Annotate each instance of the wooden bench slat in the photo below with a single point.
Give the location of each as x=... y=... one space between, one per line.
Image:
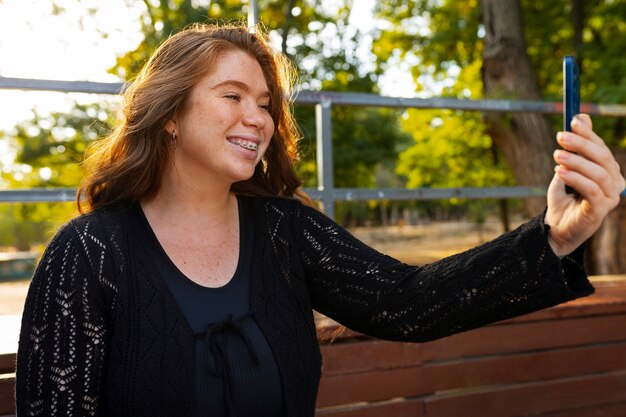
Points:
x=7 y=395
x=383 y=384
x=531 y=399
x=567 y=361
x=609 y=299
x=520 y=337
x=7 y=363
x=396 y=408
x=521 y=368
x=596 y=410
x=414 y=408
x=369 y=355
x=370 y=386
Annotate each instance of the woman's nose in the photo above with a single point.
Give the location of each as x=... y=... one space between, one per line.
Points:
x=255 y=116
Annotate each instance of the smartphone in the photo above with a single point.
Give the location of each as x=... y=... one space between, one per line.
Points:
x=571 y=99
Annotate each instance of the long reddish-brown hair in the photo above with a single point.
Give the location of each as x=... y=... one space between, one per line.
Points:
x=128 y=164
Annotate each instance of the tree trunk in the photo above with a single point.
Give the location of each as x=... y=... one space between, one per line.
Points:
x=578 y=23
x=606 y=250
x=503 y=203
x=526 y=139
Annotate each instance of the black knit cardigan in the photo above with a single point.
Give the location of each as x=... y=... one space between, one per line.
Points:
x=102 y=335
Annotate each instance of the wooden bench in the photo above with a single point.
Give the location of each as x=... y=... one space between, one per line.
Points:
x=566 y=361
x=569 y=360
x=7 y=381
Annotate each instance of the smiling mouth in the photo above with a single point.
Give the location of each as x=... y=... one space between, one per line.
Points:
x=245 y=144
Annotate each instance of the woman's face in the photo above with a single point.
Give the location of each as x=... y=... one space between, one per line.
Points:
x=226 y=126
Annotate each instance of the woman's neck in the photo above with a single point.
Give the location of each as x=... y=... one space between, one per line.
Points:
x=186 y=201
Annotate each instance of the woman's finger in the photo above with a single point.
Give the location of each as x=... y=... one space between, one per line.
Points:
x=594 y=151
x=582 y=126
x=586 y=187
x=588 y=169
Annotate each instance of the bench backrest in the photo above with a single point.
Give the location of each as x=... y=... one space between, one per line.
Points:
x=569 y=360
x=566 y=361
x=7 y=383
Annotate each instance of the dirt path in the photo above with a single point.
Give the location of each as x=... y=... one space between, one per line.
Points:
x=424 y=244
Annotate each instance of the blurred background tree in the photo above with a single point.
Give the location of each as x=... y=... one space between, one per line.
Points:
x=323 y=45
x=49 y=151
x=519 y=46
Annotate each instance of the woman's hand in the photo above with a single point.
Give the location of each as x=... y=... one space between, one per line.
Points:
x=594 y=173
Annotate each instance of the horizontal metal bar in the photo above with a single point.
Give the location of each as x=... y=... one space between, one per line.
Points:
x=38 y=195
x=52 y=195
x=61 y=86
x=609 y=110
x=344 y=98
x=338 y=194
x=524 y=106
x=364 y=194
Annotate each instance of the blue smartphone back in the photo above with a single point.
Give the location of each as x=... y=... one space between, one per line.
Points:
x=571 y=91
x=571 y=99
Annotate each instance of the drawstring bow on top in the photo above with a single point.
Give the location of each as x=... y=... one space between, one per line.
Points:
x=218 y=363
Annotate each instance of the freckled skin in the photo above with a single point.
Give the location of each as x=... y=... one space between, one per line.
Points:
x=207 y=258
x=218 y=111
x=193 y=215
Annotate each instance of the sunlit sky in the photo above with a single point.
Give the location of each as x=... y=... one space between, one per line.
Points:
x=36 y=43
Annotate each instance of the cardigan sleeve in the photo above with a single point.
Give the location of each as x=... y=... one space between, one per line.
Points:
x=372 y=293
x=61 y=353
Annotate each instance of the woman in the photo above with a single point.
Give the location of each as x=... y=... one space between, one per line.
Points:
x=187 y=285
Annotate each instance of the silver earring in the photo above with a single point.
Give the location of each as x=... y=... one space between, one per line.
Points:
x=174 y=139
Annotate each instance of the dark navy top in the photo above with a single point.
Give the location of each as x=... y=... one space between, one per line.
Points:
x=235 y=370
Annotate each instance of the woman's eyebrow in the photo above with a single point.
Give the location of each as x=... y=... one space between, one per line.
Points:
x=241 y=85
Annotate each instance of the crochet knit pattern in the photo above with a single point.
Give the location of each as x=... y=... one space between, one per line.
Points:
x=103 y=336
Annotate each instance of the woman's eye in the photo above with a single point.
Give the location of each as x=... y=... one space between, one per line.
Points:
x=234 y=97
x=265 y=107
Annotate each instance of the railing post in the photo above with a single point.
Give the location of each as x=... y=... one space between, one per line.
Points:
x=253 y=15
x=325 y=180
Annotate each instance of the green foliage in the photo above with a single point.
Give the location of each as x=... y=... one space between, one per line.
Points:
x=323 y=46
x=450 y=150
x=298 y=28
x=162 y=19
x=449 y=34
x=443 y=34
x=54 y=145
x=25 y=225
x=318 y=39
x=50 y=149
x=444 y=148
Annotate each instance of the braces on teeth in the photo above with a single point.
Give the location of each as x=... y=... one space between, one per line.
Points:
x=248 y=145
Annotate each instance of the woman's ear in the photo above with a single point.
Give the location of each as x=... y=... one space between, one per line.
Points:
x=170 y=126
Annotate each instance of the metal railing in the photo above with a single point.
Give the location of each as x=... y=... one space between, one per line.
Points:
x=323 y=102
